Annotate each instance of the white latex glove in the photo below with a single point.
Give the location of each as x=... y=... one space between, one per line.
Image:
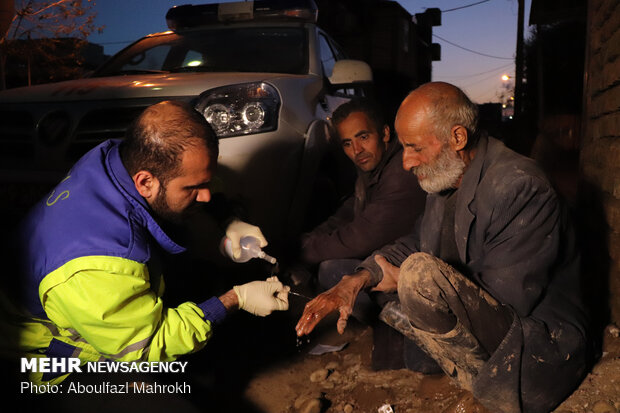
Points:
x=263 y=297
x=239 y=229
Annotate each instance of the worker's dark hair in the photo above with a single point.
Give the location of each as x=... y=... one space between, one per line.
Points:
x=364 y=105
x=156 y=140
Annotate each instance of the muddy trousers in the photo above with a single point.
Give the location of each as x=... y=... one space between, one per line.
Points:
x=455 y=321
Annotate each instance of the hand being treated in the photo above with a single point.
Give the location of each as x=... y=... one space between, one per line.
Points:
x=239 y=229
x=261 y=298
x=341 y=297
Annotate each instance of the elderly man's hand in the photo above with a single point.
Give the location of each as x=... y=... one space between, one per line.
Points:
x=391 y=273
x=341 y=297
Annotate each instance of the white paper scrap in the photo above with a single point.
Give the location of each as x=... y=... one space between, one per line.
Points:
x=324 y=348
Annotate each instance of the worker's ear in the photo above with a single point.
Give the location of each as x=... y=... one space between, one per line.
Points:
x=386 y=134
x=146 y=185
x=458 y=138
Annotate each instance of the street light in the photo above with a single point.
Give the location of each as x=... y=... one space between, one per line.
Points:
x=505 y=78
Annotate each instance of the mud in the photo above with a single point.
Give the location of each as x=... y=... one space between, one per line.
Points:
x=352 y=386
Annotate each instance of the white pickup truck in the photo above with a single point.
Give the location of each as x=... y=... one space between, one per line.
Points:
x=262 y=73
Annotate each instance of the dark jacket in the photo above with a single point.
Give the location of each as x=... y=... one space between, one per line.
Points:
x=385 y=206
x=516 y=242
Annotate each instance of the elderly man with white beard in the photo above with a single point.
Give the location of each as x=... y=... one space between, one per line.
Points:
x=489 y=283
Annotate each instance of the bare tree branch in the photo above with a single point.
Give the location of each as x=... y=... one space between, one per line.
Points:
x=37 y=29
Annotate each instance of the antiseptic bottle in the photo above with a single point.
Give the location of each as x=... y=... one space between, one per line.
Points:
x=250 y=248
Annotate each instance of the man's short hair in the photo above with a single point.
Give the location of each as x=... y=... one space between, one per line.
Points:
x=453 y=109
x=157 y=139
x=364 y=105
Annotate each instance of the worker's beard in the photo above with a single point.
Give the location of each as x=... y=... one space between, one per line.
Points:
x=163 y=212
x=443 y=173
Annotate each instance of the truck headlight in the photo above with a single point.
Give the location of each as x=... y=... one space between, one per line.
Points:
x=240 y=109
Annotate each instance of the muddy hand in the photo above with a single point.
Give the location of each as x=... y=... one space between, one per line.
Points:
x=391 y=273
x=339 y=298
x=316 y=310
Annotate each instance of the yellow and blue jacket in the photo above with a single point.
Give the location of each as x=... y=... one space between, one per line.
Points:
x=91 y=287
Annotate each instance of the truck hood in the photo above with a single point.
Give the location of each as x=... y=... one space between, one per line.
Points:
x=132 y=86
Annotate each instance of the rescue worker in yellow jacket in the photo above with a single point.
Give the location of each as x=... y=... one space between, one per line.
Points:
x=90 y=249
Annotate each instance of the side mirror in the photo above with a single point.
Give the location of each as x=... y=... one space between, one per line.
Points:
x=346 y=72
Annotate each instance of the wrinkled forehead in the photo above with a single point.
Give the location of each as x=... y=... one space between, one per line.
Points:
x=413 y=115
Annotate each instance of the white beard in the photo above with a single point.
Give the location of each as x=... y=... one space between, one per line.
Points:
x=443 y=173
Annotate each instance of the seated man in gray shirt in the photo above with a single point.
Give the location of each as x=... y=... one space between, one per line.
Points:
x=387 y=200
x=385 y=205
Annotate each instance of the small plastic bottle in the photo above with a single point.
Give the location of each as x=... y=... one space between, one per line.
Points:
x=250 y=248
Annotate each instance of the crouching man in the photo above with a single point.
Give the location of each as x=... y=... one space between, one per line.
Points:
x=91 y=250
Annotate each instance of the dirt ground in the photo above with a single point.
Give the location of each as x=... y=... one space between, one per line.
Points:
x=343 y=381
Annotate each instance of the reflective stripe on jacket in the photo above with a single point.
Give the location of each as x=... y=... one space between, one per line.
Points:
x=103 y=308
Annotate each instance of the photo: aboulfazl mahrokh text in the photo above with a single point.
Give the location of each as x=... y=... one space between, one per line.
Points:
x=106 y=388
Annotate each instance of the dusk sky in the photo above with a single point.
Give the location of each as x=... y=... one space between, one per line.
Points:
x=488 y=29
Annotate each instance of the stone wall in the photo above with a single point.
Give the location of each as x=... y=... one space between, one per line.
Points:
x=600 y=152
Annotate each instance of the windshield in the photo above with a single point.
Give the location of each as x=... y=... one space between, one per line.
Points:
x=250 y=49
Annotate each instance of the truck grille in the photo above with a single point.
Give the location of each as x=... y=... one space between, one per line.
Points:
x=15 y=134
x=52 y=136
x=99 y=125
